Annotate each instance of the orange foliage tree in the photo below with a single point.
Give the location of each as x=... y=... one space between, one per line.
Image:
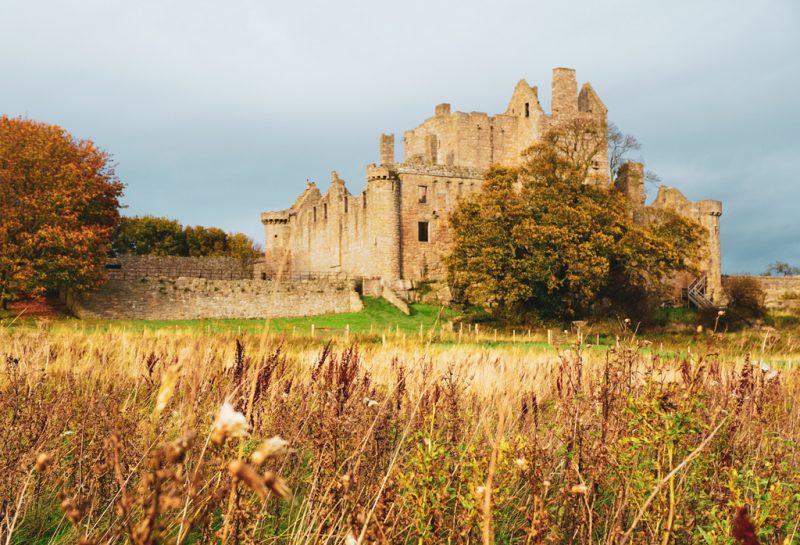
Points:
x=59 y=204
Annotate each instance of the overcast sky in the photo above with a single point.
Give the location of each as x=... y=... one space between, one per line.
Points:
x=217 y=111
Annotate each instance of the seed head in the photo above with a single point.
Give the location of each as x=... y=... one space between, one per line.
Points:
x=278 y=486
x=42 y=462
x=249 y=476
x=579 y=489
x=229 y=423
x=168 y=382
x=274 y=446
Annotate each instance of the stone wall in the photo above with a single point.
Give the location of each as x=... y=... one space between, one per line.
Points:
x=219 y=268
x=782 y=292
x=707 y=214
x=161 y=298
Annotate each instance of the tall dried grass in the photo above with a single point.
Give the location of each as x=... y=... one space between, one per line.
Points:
x=174 y=437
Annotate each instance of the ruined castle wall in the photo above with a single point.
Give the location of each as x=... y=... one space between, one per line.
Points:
x=442 y=187
x=151 y=298
x=218 y=268
x=474 y=140
x=342 y=232
x=707 y=214
x=782 y=293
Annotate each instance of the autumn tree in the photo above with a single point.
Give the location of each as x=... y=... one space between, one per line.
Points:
x=240 y=245
x=59 y=204
x=545 y=238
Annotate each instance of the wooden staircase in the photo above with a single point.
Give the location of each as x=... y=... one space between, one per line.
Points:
x=696 y=294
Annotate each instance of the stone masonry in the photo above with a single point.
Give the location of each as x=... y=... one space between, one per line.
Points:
x=189 y=288
x=397 y=228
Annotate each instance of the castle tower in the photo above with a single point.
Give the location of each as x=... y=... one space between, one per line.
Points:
x=277 y=251
x=383 y=221
x=565 y=92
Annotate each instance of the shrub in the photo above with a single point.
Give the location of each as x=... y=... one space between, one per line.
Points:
x=745 y=299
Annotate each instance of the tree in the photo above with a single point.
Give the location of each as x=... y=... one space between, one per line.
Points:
x=781 y=268
x=620 y=145
x=150 y=235
x=59 y=204
x=206 y=241
x=240 y=245
x=544 y=238
x=746 y=298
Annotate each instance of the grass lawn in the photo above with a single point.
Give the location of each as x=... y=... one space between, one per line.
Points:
x=378 y=315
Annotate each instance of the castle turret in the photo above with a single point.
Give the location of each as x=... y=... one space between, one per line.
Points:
x=277 y=233
x=383 y=221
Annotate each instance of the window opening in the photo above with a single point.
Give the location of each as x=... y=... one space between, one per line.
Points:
x=422 y=228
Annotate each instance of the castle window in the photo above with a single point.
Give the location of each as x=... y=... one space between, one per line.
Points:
x=527 y=109
x=345 y=205
x=422 y=231
x=315 y=213
x=423 y=194
x=325 y=210
x=364 y=201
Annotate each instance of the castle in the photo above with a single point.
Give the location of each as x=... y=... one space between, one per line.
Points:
x=396 y=230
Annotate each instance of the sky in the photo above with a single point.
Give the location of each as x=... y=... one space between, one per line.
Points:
x=217 y=111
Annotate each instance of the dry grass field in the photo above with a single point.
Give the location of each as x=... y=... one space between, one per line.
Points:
x=187 y=436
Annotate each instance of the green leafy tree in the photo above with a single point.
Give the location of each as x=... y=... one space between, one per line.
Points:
x=545 y=238
x=59 y=204
x=150 y=235
x=203 y=241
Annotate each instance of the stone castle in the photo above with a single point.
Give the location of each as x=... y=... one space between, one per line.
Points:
x=396 y=229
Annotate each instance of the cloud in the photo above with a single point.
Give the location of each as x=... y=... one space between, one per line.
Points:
x=217 y=111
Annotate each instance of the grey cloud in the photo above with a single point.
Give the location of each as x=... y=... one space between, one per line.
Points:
x=216 y=111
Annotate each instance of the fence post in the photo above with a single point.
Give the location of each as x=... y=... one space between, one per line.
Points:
x=347 y=332
x=312 y=331
x=550 y=337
